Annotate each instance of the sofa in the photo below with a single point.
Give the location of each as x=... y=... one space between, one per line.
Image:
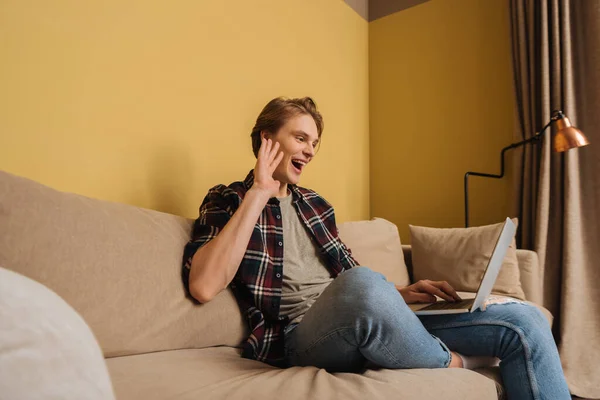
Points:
x=92 y=306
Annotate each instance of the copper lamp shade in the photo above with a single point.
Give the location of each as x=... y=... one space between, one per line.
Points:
x=567 y=136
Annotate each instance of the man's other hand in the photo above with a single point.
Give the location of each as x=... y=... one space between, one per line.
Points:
x=425 y=291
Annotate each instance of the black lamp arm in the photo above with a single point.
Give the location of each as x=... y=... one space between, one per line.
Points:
x=532 y=139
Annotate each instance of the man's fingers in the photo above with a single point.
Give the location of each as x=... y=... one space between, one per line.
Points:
x=263 y=145
x=266 y=154
x=445 y=286
x=423 y=298
x=430 y=288
x=276 y=162
x=273 y=152
x=263 y=152
x=450 y=290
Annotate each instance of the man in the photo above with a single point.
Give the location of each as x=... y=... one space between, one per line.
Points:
x=305 y=297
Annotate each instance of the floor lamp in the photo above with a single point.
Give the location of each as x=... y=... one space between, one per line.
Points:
x=566 y=137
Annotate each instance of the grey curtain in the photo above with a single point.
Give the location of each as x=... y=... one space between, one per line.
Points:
x=556 y=60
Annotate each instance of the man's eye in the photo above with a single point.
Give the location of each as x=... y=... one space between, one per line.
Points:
x=300 y=138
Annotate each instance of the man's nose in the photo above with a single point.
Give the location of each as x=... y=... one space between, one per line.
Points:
x=309 y=150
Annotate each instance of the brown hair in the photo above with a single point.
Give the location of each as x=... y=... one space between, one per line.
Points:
x=278 y=111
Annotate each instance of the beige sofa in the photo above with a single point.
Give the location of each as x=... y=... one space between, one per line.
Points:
x=119 y=267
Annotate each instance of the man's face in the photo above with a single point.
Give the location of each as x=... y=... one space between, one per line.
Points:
x=297 y=139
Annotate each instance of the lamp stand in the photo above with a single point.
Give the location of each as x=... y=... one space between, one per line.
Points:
x=533 y=139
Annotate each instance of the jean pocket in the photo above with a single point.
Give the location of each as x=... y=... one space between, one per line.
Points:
x=288 y=347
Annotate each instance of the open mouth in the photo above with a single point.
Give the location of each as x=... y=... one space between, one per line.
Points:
x=298 y=165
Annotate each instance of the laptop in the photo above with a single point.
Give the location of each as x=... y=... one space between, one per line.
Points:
x=485 y=286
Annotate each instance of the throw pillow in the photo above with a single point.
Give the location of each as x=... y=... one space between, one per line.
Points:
x=460 y=256
x=376 y=244
x=47 y=351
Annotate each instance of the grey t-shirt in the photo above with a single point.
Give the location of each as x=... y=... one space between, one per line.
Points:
x=305 y=276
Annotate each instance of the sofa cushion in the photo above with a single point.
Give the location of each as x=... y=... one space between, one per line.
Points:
x=376 y=244
x=46 y=349
x=219 y=373
x=460 y=257
x=119 y=266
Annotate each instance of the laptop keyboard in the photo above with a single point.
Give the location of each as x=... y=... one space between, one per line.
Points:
x=447 y=305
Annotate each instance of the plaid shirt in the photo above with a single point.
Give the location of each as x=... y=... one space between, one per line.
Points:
x=257 y=283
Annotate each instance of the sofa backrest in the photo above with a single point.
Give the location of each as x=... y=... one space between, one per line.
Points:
x=119 y=266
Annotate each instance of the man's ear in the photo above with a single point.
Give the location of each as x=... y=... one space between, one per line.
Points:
x=265 y=135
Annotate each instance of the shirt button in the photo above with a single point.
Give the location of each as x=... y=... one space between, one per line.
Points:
x=278 y=275
x=278 y=216
x=280 y=243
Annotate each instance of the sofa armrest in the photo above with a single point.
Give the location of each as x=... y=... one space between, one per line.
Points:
x=531 y=275
x=529 y=268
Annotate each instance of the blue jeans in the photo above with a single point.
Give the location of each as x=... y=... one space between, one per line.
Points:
x=361 y=317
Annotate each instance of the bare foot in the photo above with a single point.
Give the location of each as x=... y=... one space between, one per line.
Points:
x=456 y=361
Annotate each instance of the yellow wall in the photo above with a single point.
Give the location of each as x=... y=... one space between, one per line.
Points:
x=152 y=102
x=441 y=104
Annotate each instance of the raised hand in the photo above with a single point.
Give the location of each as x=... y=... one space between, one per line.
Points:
x=268 y=160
